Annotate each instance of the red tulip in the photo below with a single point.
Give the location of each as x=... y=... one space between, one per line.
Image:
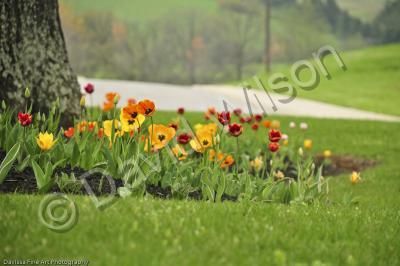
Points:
x=235 y=129
x=89 y=88
x=24 y=119
x=181 y=110
x=248 y=119
x=254 y=126
x=184 y=138
x=237 y=111
x=258 y=117
x=174 y=126
x=100 y=133
x=242 y=120
x=273 y=146
x=224 y=118
x=274 y=135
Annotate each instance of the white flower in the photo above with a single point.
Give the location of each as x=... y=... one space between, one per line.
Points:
x=285 y=137
x=303 y=126
x=292 y=124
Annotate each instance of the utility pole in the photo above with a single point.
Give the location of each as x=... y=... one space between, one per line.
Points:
x=267 y=51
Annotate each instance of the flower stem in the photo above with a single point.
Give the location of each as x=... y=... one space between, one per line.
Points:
x=151 y=135
x=237 y=156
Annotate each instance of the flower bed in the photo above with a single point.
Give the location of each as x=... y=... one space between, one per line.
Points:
x=208 y=161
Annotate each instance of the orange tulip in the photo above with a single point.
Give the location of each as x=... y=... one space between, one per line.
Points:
x=112 y=96
x=107 y=106
x=82 y=126
x=69 y=133
x=267 y=123
x=146 y=107
x=228 y=161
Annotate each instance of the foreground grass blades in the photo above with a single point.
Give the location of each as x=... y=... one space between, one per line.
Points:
x=156 y=232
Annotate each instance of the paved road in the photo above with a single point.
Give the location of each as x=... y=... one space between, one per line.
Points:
x=200 y=97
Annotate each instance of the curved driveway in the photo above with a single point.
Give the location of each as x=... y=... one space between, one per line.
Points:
x=200 y=97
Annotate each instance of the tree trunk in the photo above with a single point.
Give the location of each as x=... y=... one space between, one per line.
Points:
x=33 y=54
x=267 y=55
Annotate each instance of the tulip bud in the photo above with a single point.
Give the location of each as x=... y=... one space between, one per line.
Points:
x=57 y=103
x=3 y=105
x=300 y=152
x=37 y=118
x=82 y=102
x=43 y=117
x=116 y=99
x=27 y=93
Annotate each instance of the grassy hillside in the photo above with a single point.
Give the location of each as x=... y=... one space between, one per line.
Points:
x=371 y=82
x=140 y=10
x=143 y=10
x=366 y=10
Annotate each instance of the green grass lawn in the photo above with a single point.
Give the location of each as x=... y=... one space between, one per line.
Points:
x=152 y=232
x=371 y=82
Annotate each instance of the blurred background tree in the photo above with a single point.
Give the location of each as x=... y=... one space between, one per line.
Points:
x=386 y=26
x=210 y=41
x=33 y=54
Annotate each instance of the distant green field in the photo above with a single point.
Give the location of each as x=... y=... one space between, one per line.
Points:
x=144 y=10
x=371 y=82
x=141 y=10
x=366 y=10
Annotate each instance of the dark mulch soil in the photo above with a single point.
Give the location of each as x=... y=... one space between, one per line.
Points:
x=25 y=182
x=166 y=193
x=343 y=164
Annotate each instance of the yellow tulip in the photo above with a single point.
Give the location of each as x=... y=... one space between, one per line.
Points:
x=257 y=163
x=327 y=153
x=179 y=152
x=206 y=129
x=107 y=125
x=160 y=135
x=308 y=144
x=275 y=124
x=198 y=127
x=129 y=125
x=45 y=141
x=355 y=177
x=285 y=142
x=202 y=141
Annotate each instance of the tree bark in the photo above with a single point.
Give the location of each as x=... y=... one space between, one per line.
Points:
x=33 y=54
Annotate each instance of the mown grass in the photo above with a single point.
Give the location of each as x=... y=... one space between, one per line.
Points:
x=371 y=81
x=151 y=232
